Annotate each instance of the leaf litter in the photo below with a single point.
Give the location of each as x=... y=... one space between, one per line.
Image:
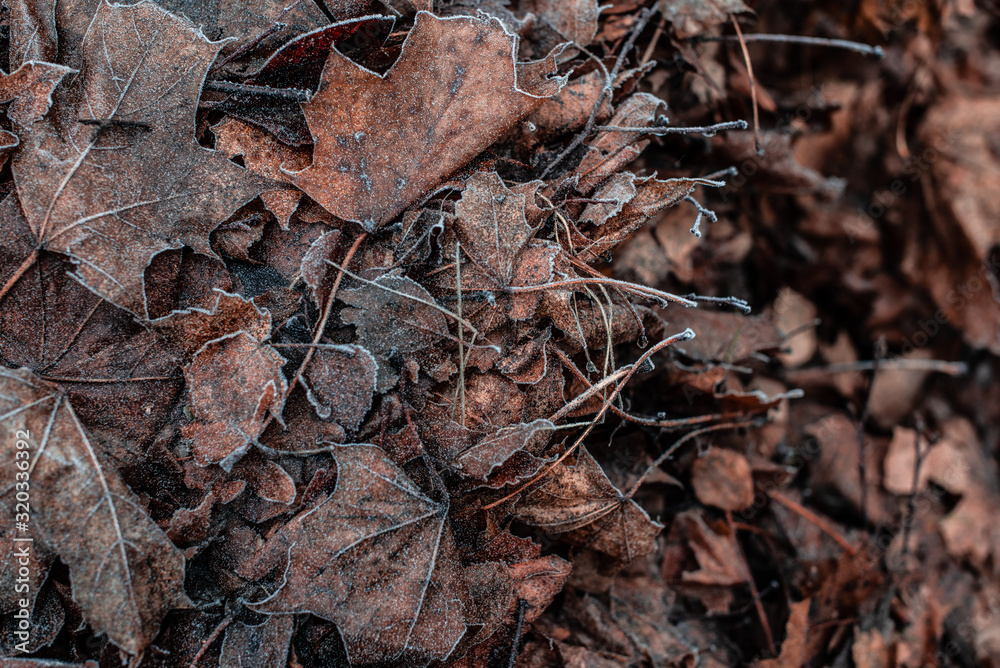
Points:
x=359 y=333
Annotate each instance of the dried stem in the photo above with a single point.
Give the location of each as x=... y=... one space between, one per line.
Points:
x=813 y=518
x=16 y=276
x=686 y=335
x=857 y=47
x=209 y=640
x=753 y=86
x=706 y=130
x=766 y=625
x=640 y=24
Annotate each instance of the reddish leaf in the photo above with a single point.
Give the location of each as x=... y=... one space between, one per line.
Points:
x=454 y=90
x=394 y=315
x=234 y=382
x=340 y=382
x=581 y=499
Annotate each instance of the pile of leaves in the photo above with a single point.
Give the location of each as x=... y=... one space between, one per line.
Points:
x=366 y=333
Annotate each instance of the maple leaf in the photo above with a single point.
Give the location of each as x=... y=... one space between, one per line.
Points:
x=581 y=499
x=454 y=90
x=374 y=557
x=490 y=223
x=99 y=353
x=129 y=181
x=126 y=574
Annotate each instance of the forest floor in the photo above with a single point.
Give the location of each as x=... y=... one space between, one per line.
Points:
x=363 y=333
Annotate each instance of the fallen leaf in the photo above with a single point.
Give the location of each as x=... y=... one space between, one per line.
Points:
x=394 y=315
x=260 y=646
x=126 y=574
x=454 y=90
x=234 y=382
x=581 y=499
x=166 y=191
x=694 y=17
x=722 y=478
x=340 y=382
x=408 y=608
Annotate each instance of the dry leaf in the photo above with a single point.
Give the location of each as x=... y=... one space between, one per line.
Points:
x=454 y=90
x=722 y=478
x=581 y=499
x=408 y=608
x=166 y=191
x=234 y=382
x=126 y=574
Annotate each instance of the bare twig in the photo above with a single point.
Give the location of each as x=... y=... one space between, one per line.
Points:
x=522 y=607
x=753 y=86
x=766 y=625
x=209 y=640
x=686 y=335
x=857 y=47
x=640 y=24
x=706 y=130
x=813 y=518
x=291 y=94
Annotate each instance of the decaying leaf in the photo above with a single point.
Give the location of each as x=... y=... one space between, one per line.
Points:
x=126 y=574
x=235 y=381
x=129 y=181
x=340 y=382
x=580 y=499
x=394 y=315
x=408 y=608
x=454 y=90
x=722 y=478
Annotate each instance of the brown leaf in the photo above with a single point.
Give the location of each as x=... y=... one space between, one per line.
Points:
x=340 y=382
x=794 y=648
x=651 y=196
x=575 y=21
x=408 y=608
x=29 y=91
x=112 y=196
x=264 y=155
x=393 y=315
x=581 y=499
x=694 y=17
x=480 y=460
x=717 y=554
x=722 y=478
x=454 y=90
x=234 y=382
x=126 y=574
x=490 y=224
x=189 y=330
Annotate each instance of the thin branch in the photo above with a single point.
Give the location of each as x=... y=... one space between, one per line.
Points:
x=686 y=335
x=753 y=86
x=702 y=212
x=857 y=47
x=813 y=518
x=640 y=24
x=766 y=625
x=16 y=276
x=727 y=301
x=291 y=94
x=706 y=130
